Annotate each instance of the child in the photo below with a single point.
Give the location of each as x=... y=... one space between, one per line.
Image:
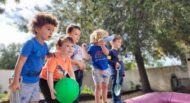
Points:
x=78 y=64
x=100 y=72
x=56 y=67
x=32 y=58
x=116 y=63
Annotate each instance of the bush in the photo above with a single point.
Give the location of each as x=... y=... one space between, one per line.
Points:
x=4 y=97
x=87 y=90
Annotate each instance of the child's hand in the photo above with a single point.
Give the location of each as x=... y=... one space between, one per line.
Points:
x=73 y=78
x=84 y=45
x=117 y=65
x=82 y=65
x=53 y=92
x=101 y=42
x=14 y=86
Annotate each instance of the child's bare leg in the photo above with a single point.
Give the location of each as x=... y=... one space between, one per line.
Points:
x=98 y=89
x=104 y=92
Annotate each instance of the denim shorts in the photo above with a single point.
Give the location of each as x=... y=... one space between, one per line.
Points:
x=100 y=76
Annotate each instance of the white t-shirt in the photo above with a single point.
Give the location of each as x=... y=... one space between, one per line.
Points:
x=77 y=55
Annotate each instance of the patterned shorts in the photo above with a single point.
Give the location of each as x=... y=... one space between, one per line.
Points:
x=29 y=92
x=100 y=76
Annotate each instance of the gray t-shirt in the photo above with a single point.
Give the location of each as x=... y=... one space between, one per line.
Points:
x=77 y=55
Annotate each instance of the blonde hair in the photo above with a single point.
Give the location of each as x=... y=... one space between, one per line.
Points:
x=97 y=35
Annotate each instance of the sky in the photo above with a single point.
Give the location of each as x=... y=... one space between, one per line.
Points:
x=8 y=32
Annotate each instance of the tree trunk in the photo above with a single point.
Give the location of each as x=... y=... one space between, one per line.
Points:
x=138 y=53
x=142 y=72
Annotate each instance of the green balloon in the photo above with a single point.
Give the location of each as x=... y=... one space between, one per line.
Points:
x=67 y=90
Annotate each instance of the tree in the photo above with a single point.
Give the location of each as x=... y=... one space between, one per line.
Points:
x=2 y=3
x=146 y=25
x=9 y=55
x=103 y=15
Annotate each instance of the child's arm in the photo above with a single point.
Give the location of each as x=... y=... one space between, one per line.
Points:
x=105 y=50
x=71 y=72
x=51 y=85
x=117 y=65
x=51 y=65
x=103 y=46
x=81 y=64
x=18 y=67
x=86 y=55
x=114 y=63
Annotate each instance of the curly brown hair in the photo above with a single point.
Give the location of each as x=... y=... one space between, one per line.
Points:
x=42 y=19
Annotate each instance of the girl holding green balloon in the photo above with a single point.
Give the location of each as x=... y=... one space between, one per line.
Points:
x=55 y=69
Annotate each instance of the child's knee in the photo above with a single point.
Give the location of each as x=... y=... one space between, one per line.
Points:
x=98 y=87
x=105 y=85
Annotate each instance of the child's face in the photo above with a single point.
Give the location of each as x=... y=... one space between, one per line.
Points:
x=75 y=35
x=67 y=49
x=117 y=43
x=45 y=32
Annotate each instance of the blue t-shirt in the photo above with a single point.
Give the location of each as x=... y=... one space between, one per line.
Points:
x=35 y=53
x=99 y=59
